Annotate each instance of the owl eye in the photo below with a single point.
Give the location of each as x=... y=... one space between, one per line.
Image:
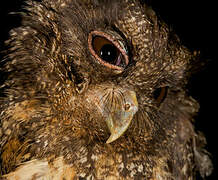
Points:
x=107 y=50
x=160 y=94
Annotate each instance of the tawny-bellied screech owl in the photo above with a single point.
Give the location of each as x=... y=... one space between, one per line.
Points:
x=96 y=89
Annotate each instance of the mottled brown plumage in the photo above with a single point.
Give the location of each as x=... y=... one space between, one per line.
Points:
x=62 y=97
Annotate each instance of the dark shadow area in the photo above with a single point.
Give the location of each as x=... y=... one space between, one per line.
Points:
x=195 y=23
x=8 y=20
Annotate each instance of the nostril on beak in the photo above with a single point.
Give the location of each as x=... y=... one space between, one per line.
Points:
x=127 y=106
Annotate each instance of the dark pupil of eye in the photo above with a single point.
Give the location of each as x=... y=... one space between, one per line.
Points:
x=160 y=94
x=108 y=53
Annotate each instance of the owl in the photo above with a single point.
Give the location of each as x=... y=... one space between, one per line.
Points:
x=96 y=89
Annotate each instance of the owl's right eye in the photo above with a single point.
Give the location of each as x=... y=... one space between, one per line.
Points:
x=107 y=50
x=160 y=94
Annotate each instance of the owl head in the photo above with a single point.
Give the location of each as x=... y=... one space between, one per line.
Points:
x=81 y=72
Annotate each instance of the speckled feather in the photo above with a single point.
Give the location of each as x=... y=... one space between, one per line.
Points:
x=50 y=125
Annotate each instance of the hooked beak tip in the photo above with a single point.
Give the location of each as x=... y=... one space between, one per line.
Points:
x=119 y=121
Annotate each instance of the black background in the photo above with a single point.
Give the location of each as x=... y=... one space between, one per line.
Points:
x=196 y=24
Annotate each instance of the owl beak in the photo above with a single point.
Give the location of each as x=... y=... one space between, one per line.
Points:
x=120 y=116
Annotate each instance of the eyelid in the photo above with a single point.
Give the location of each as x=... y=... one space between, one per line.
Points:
x=117 y=43
x=123 y=47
